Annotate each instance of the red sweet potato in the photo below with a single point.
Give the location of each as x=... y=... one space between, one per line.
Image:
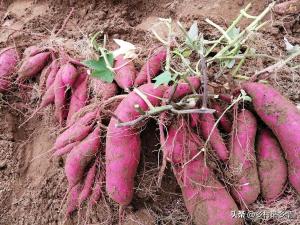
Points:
x=207 y=122
x=8 y=61
x=151 y=67
x=72 y=203
x=68 y=74
x=97 y=191
x=31 y=51
x=283 y=118
x=33 y=65
x=60 y=97
x=75 y=133
x=242 y=162
x=54 y=67
x=79 y=95
x=272 y=168
x=123 y=145
x=225 y=122
x=183 y=88
x=66 y=149
x=205 y=197
x=80 y=157
x=102 y=89
x=88 y=184
x=125 y=72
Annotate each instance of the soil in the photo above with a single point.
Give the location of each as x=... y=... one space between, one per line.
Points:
x=32 y=184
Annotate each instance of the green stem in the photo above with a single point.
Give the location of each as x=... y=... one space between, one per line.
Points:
x=234 y=23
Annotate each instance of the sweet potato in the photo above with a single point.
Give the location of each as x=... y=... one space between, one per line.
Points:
x=33 y=65
x=48 y=97
x=68 y=74
x=242 y=162
x=88 y=184
x=8 y=61
x=207 y=122
x=80 y=156
x=31 y=51
x=225 y=122
x=205 y=197
x=66 y=149
x=272 y=168
x=151 y=67
x=72 y=203
x=283 y=118
x=60 y=97
x=125 y=72
x=43 y=77
x=54 y=67
x=123 y=145
x=102 y=89
x=75 y=133
x=183 y=88
x=79 y=95
x=97 y=191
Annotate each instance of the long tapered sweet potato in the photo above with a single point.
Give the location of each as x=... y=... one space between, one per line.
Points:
x=205 y=197
x=8 y=61
x=60 y=97
x=272 y=167
x=151 y=67
x=125 y=72
x=123 y=145
x=283 y=118
x=79 y=95
x=80 y=157
x=88 y=184
x=53 y=71
x=242 y=162
x=225 y=122
x=33 y=65
x=207 y=122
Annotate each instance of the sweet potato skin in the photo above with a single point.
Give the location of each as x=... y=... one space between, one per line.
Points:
x=8 y=61
x=272 y=167
x=33 y=65
x=125 y=72
x=206 y=199
x=79 y=95
x=60 y=97
x=123 y=145
x=242 y=162
x=51 y=77
x=283 y=118
x=225 y=122
x=207 y=122
x=80 y=156
x=151 y=67
x=68 y=74
x=102 y=89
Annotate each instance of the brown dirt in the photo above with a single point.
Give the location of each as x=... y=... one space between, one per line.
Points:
x=33 y=186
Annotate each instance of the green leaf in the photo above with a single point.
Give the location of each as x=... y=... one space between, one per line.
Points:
x=245 y=97
x=100 y=63
x=193 y=32
x=229 y=63
x=163 y=78
x=187 y=53
x=234 y=32
x=105 y=75
x=100 y=69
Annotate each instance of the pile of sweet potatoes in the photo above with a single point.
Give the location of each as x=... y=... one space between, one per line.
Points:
x=257 y=158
